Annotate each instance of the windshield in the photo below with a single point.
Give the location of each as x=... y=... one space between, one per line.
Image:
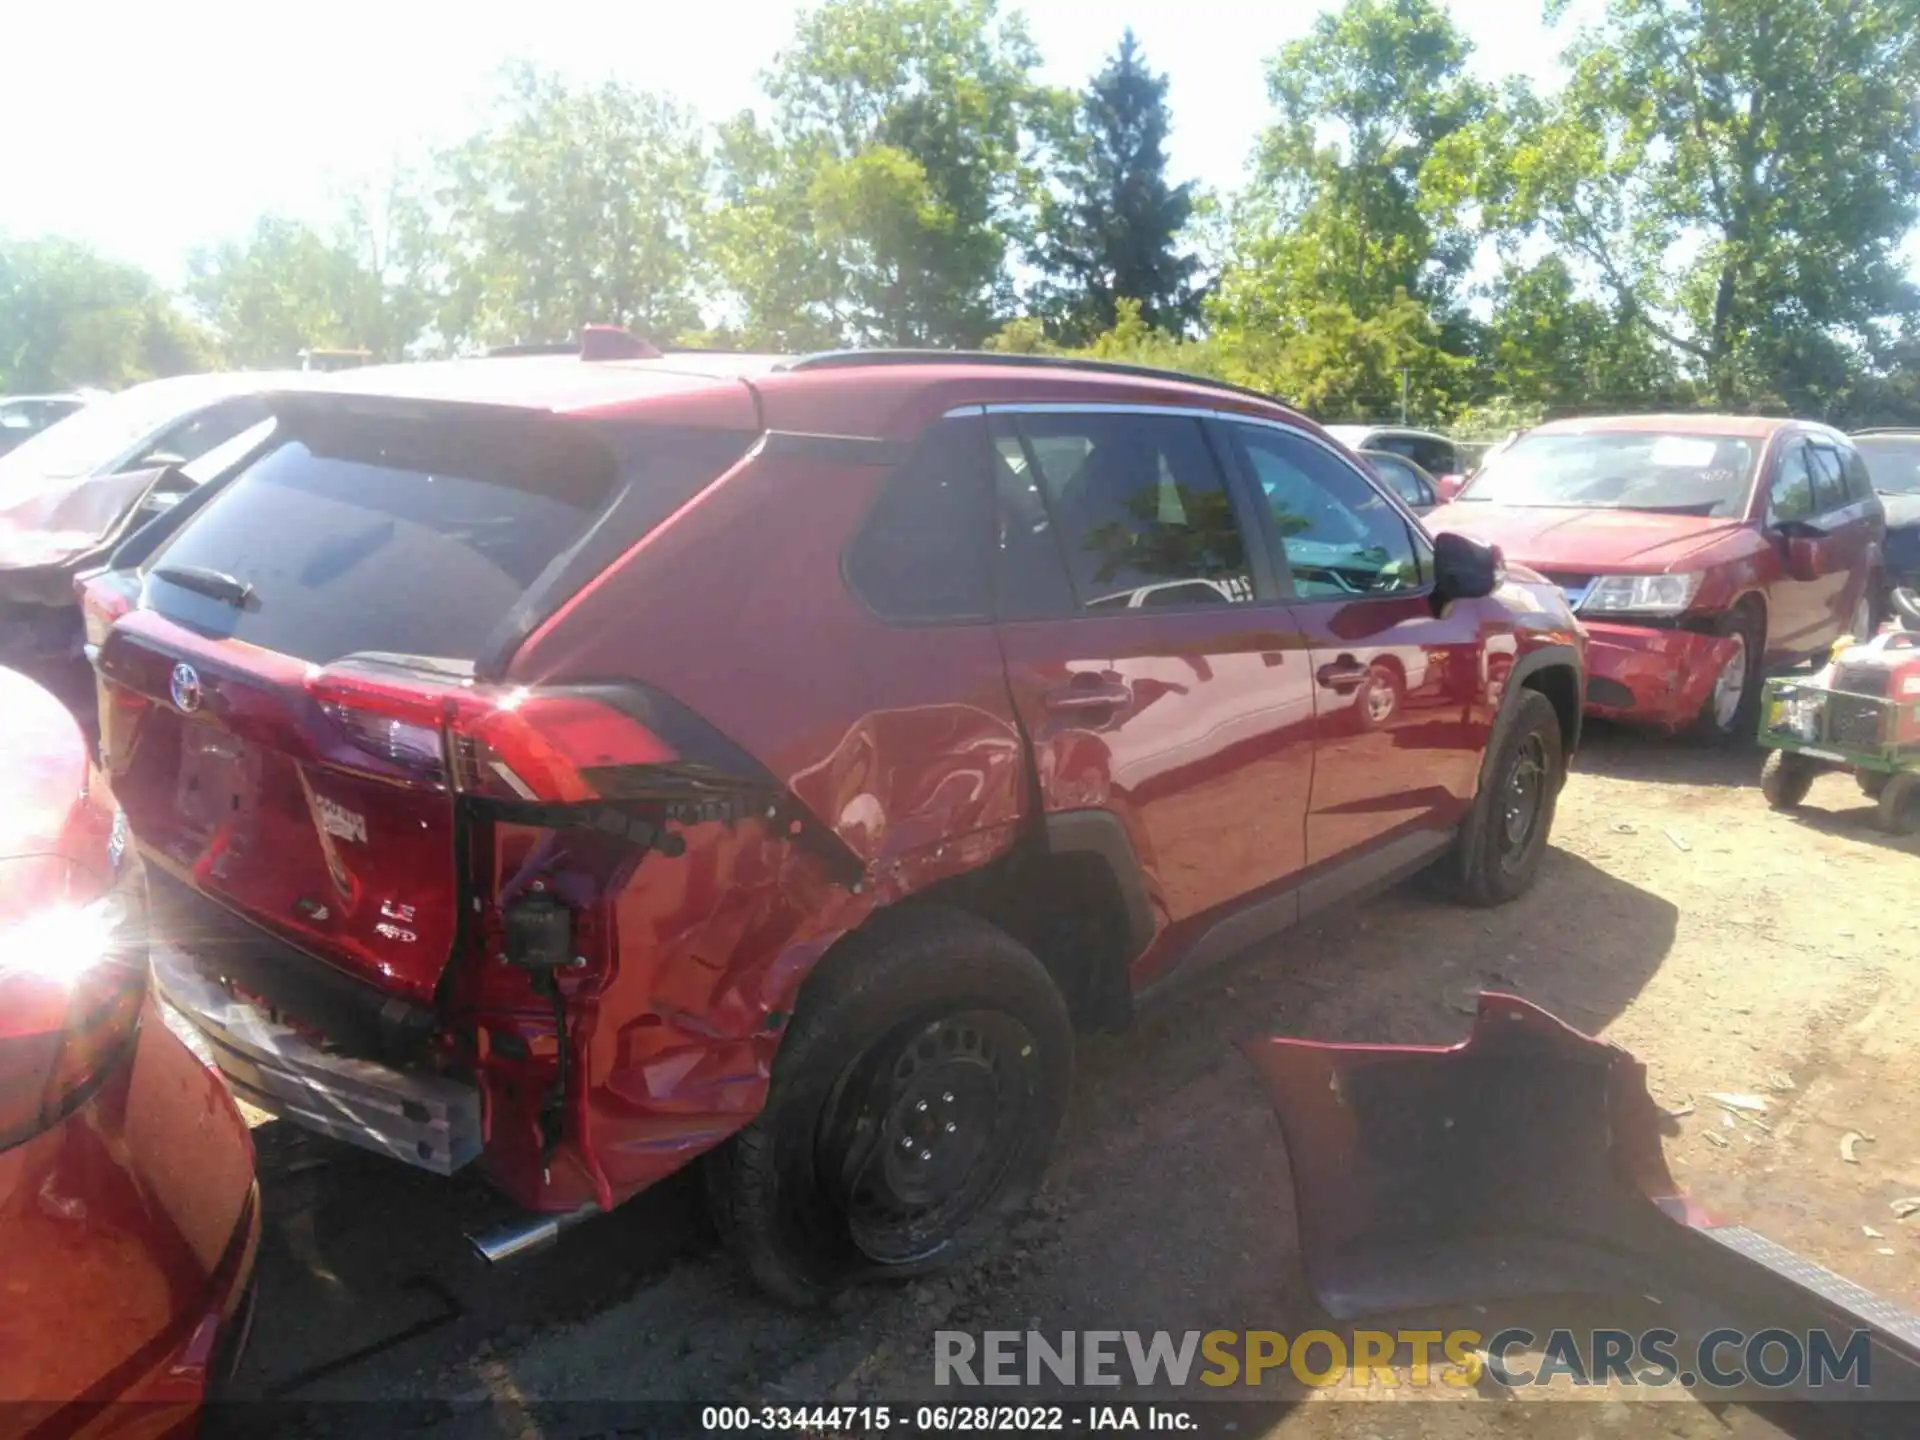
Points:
x=1893 y=461
x=1705 y=475
x=97 y=434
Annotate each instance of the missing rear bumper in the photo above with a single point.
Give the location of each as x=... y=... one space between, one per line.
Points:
x=428 y=1121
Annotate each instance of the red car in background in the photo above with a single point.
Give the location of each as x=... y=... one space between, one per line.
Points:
x=129 y=1214
x=1698 y=551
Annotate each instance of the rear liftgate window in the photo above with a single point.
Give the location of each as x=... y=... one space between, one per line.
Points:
x=422 y=536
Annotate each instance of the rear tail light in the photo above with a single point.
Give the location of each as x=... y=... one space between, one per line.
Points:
x=553 y=747
x=73 y=975
x=104 y=596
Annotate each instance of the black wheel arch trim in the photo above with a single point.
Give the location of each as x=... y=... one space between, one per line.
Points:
x=1100 y=833
x=1546 y=657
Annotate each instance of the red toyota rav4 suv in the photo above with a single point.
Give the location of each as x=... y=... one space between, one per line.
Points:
x=575 y=764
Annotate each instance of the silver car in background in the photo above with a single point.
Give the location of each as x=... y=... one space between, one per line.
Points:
x=76 y=489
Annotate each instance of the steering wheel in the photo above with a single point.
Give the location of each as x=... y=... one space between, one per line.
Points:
x=1906 y=604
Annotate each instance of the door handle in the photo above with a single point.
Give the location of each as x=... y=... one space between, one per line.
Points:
x=1102 y=695
x=1346 y=673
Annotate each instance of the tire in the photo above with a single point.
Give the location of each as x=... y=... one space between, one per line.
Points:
x=921 y=1007
x=1786 y=778
x=1494 y=863
x=1710 y=728
x=1871 y=782
x=1898 y=812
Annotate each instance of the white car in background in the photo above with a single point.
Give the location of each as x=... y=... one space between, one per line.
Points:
x=1435 y=454
x=159 y=423
x=71 y=492
x=24 y=416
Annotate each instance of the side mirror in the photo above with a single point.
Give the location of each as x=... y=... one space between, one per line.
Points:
x=1465 y=569
x=1803 y=558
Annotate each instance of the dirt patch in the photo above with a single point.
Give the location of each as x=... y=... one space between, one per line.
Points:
x=1734 y=950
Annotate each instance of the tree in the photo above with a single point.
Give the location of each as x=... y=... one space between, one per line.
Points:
x=399 y=270
x=283 y=289
x=1337 y=363
x=1552 y=347
x=1345 y=272
x=575 y=207
x=1362 y=102
x=1738 y=173
x=880 y=201
x=69 y=316
x=1114 y=233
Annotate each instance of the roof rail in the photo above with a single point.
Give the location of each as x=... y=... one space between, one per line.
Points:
x=855 y=359
x=596 y=342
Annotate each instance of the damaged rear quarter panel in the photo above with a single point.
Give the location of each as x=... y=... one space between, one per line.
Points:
x=900 y=741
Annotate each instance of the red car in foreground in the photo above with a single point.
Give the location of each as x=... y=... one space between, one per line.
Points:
x=129 y=1215
x=1699 y=551
x=571 y=764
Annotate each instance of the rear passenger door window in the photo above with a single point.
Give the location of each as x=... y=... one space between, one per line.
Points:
x=1339 y=535
x=1829 y=479
x=921 y=555
x=1859 y=481
x=1133 y=505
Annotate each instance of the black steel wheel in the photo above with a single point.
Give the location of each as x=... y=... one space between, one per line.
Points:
x=914 y=1101
x=1505 y=837
x=926 y=1127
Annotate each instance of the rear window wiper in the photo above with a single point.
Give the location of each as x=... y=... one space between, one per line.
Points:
x=216 y=584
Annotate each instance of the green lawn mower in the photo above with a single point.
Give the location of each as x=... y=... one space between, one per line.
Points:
x=1861 y=714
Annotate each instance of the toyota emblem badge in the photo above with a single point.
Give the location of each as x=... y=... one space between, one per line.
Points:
x=186 y=688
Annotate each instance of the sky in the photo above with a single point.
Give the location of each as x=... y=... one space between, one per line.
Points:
x=148 y=129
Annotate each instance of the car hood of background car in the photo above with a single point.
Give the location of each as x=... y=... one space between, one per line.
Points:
x=1901 y=510
x=65 y=518
x=1555 y=538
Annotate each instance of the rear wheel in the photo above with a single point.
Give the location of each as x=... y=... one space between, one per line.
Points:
x=1871 y=782
x=1505 y=837
x=914 y=1101
x=1732 y=709
x=1786 y=778
x=1899 y=810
